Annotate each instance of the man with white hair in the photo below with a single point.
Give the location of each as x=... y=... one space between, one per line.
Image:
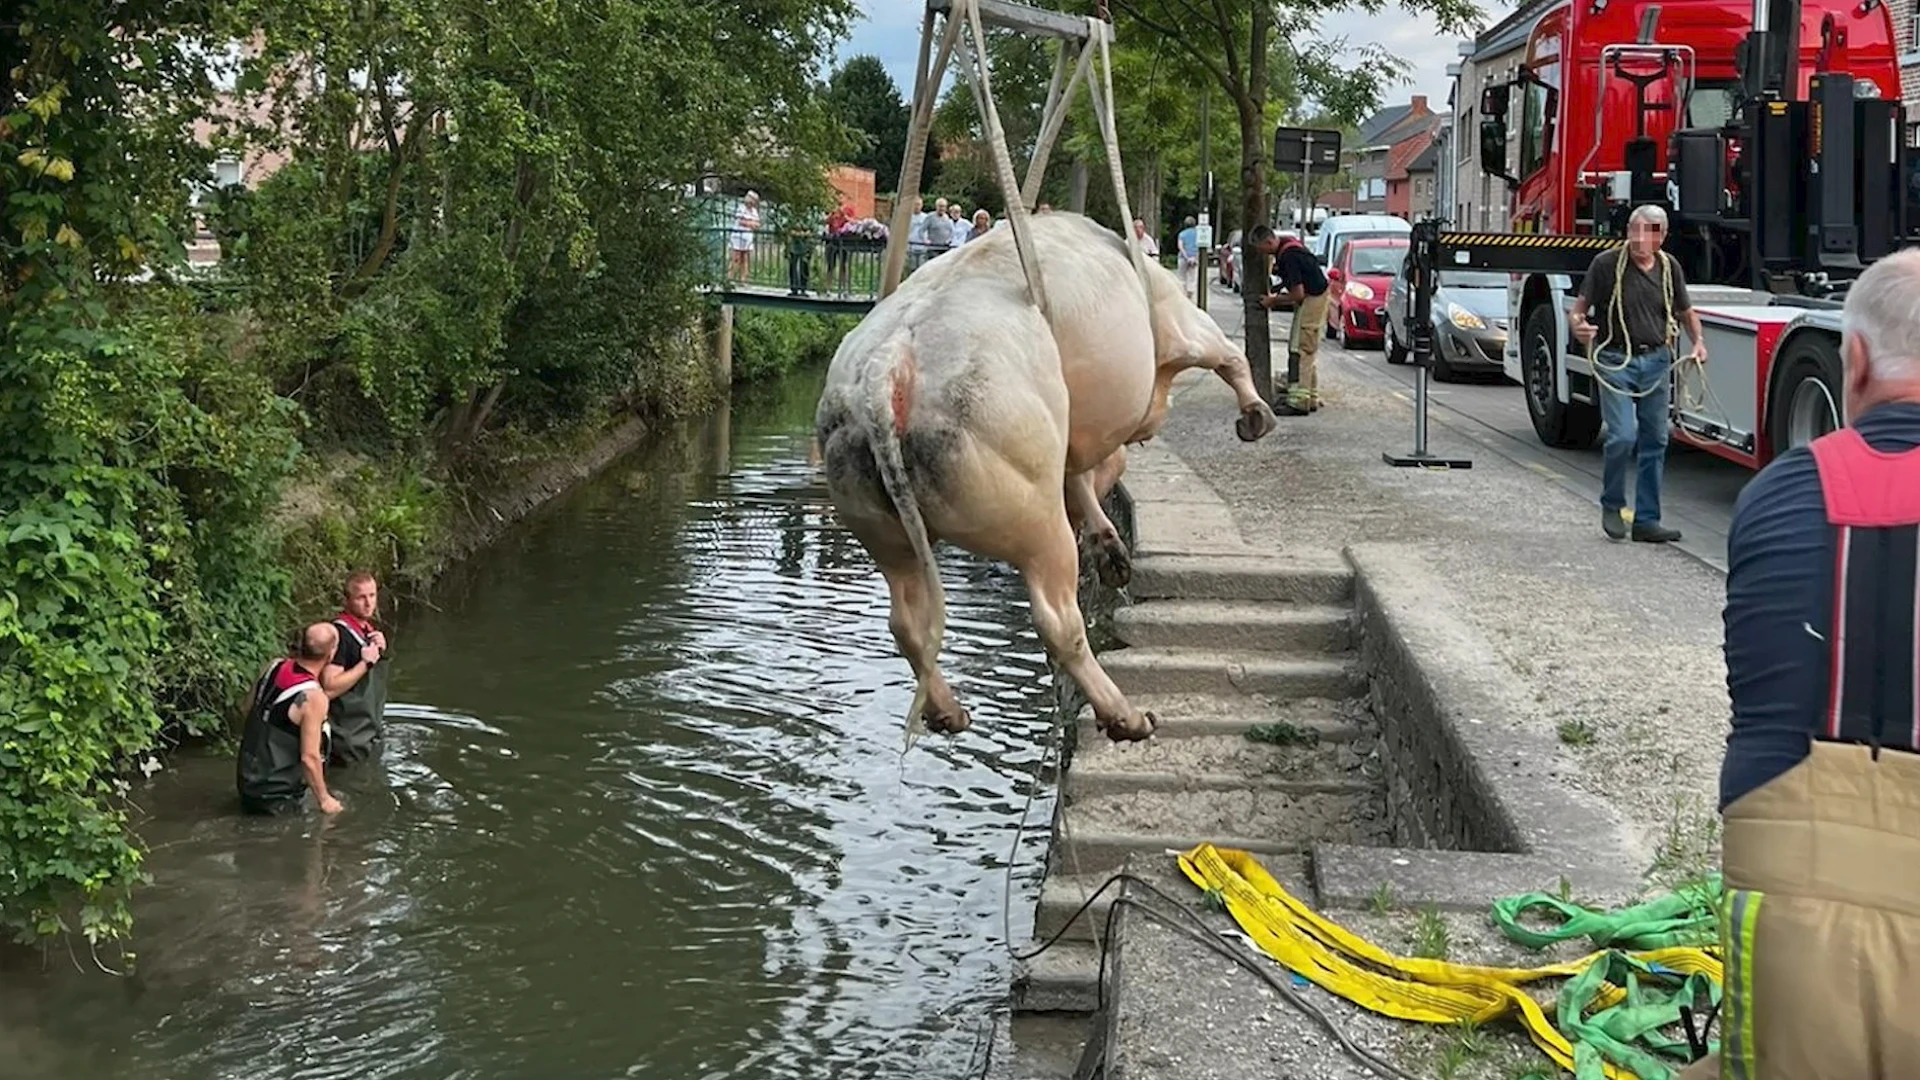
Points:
x=1820 y=789
x=1640 y=295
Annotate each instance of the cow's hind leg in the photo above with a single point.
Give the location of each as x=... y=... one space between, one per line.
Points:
x=915 y=618
x=1256 y=416
x=1051 y=568
x=1100 y=540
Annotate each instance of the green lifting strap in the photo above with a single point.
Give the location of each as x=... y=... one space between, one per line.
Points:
x=1632 y=1033
x=1688 y=916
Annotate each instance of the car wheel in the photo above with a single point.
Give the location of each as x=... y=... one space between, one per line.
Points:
x=1396 y=352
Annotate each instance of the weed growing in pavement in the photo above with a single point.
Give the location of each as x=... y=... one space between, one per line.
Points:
x=1688 y=850
x=1431 y=938
x=1281 y=733
x=1577 y=733
x=1382 y=901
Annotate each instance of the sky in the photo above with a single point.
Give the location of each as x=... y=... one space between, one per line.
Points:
x=890 y=29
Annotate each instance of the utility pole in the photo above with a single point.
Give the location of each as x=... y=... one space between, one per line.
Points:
x=1203 y=236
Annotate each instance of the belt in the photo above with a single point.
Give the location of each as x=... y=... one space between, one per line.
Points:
x=1642 y=350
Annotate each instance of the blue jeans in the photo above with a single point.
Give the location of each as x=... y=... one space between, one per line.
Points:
x=1635 y=429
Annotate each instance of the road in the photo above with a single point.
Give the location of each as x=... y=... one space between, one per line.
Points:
x=1489 y=412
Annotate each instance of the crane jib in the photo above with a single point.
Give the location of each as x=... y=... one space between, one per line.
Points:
x=1519 y=253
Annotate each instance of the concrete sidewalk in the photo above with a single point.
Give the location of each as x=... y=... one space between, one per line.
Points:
x=1619 y=642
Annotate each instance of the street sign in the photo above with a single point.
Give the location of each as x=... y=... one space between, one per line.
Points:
x=1304 y=149
x=1203 y=233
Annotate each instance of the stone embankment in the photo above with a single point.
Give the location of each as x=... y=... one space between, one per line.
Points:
x=1325 y=710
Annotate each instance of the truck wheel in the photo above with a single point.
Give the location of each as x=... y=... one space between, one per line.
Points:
x=1806 y=396
x=1396 y=352
x=1566 y=425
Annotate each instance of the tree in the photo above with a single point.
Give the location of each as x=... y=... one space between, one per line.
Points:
x=864 y=97
x=1235 y=45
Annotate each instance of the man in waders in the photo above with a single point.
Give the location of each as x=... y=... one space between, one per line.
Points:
x=1820 y=790
x=356 y=680
x=1304 y=284
x=1638 y=293
x=284 y=745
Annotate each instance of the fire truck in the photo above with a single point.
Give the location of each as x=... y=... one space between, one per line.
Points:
x=1773 y=136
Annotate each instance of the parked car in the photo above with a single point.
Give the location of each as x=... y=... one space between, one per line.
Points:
x=1469 y=321
x=1226 y=255
x=1357 y=289
x=1331 y=241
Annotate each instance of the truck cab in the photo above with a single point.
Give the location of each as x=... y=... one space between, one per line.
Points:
x=1636 y=101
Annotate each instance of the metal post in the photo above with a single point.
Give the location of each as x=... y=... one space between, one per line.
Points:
x=1306 y=218
x=1206 y=200
x=1425 y=256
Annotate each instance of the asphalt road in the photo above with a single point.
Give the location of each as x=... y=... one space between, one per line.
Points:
x=1488 y=416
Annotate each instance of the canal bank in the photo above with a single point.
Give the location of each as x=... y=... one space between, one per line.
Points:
x=644 y=813
x=1477 y=777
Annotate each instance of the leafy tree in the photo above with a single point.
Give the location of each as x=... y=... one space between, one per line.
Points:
x=863 y=96
x=1235 y=45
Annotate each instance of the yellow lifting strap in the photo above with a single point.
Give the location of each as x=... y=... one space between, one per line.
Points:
x=1406 y=988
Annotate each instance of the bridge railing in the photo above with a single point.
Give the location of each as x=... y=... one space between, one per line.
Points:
x=806 y=263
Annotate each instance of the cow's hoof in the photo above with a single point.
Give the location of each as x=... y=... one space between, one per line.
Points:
x=946 y=721
x=1114 y=563
x=1256 y=421
x=1133 y=728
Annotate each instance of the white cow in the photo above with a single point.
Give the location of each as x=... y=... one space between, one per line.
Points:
x=955 y=412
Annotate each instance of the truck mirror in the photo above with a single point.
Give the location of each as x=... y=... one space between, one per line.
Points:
x=1493 y=147
x=1493 y=101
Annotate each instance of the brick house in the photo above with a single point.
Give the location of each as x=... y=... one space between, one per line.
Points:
x=1375 y=147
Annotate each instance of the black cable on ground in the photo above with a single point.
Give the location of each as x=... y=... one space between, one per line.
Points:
x=1208 y=937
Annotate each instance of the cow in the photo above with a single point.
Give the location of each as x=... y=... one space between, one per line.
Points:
x=956 y=411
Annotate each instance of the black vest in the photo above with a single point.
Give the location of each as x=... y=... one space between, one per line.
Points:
x=269 y=772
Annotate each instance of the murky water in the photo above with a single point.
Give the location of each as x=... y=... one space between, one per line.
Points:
x=644 y=813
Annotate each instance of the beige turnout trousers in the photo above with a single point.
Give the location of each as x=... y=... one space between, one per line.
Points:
x=1309 y=325
x=1821 y=924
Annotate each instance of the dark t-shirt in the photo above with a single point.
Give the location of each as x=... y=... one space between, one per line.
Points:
x=1295 y=265
x=1642 y=298
x=1780 y=556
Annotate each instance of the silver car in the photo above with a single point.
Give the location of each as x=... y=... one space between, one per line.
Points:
x=1469 y=321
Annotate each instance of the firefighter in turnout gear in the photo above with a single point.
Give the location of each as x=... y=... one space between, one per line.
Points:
x=1820 y=790
x=356 y=679
x=284 y=744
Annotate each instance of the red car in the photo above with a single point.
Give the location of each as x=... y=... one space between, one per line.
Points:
x=1357 y=290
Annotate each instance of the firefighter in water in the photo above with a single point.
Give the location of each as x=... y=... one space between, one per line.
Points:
x=284 y=745
x=1820 y=790
x=356 y=679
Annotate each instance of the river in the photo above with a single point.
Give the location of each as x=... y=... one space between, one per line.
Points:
x=644 y=812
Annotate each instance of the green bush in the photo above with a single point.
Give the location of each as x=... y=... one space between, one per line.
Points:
x=768 y=344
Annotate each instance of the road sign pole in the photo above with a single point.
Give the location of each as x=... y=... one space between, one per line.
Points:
x=1425 y=256
x=1299 y=202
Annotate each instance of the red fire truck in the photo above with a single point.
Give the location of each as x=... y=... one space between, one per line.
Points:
x=1773 y=136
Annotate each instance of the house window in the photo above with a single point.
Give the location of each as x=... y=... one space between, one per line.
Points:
x=226 y=173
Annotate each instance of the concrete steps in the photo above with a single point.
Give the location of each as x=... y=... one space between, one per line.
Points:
x=1100 y=831
x=1065 y=978
x=1164 y=670
x=1301 y=579
x=1236 y=625
x=1063 y=894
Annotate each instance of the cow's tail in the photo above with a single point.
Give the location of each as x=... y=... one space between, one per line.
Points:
x=887 y=419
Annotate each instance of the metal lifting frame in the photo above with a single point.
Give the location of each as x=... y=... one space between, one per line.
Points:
x=964 y=19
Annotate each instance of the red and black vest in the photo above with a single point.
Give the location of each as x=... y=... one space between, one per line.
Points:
x=1873 y=506
x=269 y=770
x=358 y=715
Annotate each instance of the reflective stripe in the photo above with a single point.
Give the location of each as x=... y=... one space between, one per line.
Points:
x=1739 y=1059
x=1838 y=688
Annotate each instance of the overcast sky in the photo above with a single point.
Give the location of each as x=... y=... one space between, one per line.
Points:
x=890 y=29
